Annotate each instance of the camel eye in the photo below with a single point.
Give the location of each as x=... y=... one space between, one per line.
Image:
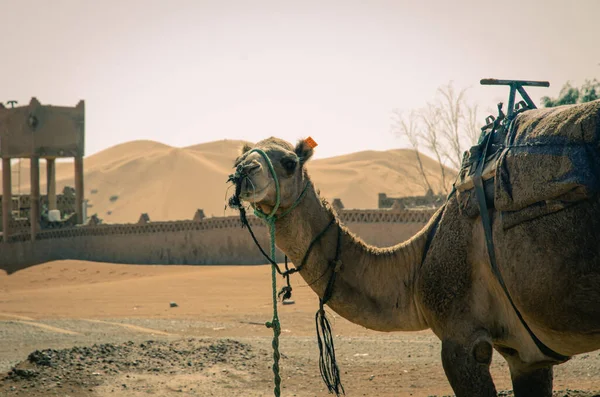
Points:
x=289 y=163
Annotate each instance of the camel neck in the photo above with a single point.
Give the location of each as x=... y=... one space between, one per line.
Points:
x=374 y=286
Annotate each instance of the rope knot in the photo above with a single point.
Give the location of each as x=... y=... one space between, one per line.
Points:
x=285 y=293
x=275 y=325
x=289 y=272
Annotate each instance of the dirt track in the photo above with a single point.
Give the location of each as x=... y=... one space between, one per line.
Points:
x=213 y=344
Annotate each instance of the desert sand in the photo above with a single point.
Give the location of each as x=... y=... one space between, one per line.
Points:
x=171 y=183
x=214 y=343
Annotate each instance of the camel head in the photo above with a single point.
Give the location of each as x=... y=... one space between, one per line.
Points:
x=257 y=184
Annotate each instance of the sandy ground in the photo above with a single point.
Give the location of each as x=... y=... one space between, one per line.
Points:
x=214 y=343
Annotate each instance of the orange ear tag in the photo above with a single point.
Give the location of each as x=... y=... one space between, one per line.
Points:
x=311 y=142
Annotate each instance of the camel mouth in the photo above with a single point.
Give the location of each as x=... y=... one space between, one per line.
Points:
x=251 y=194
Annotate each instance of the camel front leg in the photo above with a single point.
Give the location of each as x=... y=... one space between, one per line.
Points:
x=466 y=361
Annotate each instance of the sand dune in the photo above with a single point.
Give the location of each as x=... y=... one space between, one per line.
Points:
x=170 y=183
x=357 y=178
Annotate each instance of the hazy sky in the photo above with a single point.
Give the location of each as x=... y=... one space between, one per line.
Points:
x=186 y=72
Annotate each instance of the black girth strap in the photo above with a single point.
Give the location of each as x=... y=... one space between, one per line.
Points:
x=487 y=227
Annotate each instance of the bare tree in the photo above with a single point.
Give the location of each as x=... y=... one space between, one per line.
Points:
x=472 y=128
x=445 y=128
x=406 y=125
x=452 y=112
x=430 y=116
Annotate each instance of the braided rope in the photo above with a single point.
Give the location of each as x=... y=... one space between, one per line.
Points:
x=274 y=323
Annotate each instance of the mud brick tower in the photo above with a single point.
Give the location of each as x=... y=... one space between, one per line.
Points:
x=37 y=131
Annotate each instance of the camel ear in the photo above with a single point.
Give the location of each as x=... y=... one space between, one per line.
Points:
x=304 y=150
x=246 y=148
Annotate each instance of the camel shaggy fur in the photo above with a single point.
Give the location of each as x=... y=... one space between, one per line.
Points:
x=551 y=266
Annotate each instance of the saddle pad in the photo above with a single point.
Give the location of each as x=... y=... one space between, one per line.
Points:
x=552 y=154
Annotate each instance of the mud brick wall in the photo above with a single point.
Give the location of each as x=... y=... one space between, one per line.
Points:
x=215 y=241
x=383 y=201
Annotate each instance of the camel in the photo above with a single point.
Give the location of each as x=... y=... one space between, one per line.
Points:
x=440 y=279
